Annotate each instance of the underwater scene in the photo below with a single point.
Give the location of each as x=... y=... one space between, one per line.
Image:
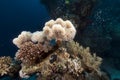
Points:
x=60 y=40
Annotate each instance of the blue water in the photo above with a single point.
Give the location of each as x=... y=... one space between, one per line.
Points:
x=16 y=16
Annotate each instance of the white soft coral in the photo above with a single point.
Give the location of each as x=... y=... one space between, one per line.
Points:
x=59 y=30
x=23 y=37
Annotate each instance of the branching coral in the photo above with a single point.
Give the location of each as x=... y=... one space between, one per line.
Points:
x=5 y=63
x=8 y=66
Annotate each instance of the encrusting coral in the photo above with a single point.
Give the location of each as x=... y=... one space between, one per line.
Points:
x=53 y=54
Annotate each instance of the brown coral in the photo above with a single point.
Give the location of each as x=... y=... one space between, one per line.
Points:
x=5 y=63
x=29 y=53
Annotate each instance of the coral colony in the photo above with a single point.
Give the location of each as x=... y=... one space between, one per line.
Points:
x=52 y=54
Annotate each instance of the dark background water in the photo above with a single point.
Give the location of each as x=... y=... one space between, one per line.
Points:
x=16 y=16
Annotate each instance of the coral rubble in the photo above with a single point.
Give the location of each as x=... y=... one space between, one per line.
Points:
x=58 y=60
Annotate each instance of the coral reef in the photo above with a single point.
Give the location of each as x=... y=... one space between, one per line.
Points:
x=52 y=54
x=60 y=64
